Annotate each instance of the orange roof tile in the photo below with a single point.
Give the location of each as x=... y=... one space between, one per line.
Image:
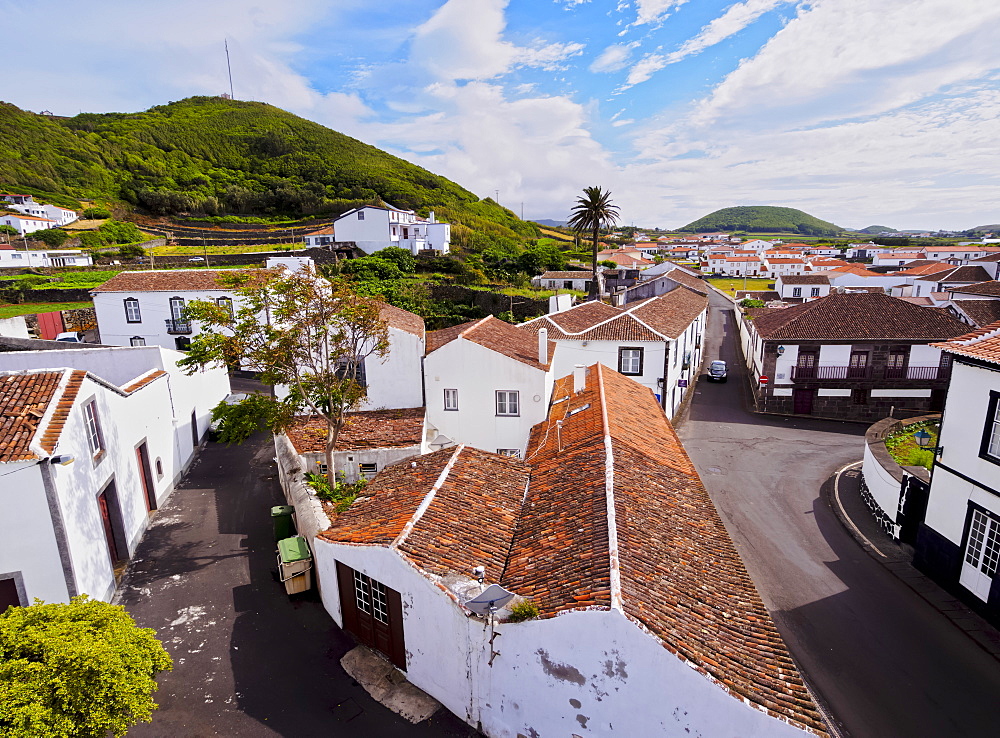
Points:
x=365 y=429
x=401 y=319
x=25 y=397
x=496 y=335
x=982 y=344
x=175 y=280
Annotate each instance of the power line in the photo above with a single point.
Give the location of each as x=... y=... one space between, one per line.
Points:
x=230 y=68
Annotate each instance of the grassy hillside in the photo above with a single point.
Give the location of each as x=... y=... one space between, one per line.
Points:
x=207 y=155
x=875 y=229
x=762 y=219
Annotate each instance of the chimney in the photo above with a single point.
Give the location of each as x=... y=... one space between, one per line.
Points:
x=543 y=345
x=430 y=217
x=579 y=378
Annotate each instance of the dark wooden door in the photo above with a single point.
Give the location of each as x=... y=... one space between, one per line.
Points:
x=8 y=594
x=802 y=401
x=373 y=613
x=109 y=532
x=145 y=477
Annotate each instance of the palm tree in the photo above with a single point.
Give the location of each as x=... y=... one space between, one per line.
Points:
x=591 y=213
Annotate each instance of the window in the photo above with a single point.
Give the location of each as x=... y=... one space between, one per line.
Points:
x=371 y=597
x=814 y=292
x=568 y=284
x=859 y=396
x=796 y=292
x=367 y=471
x=177 y=308
x=95 y=439
x=895 y=365
x=451 y=399
x=989 y=449
x=343 y=367
x=226 y=303
x=507 y=402
x=361 y=215
x=515 y=452
x=858 y=366
x=137 y=341
x=15 y=256
x=630 y=361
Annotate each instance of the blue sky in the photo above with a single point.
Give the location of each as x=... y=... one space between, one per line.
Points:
x=857 y=111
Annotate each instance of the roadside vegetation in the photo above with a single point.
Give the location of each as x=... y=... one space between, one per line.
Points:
x=905 y=450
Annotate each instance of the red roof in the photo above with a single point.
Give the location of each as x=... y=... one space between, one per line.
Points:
x=496 y=335
x=983 y=344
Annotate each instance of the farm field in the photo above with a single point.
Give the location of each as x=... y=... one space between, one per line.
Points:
x=730 y=285
x=30 y=308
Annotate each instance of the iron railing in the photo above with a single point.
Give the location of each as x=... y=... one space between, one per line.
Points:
x=175 y=327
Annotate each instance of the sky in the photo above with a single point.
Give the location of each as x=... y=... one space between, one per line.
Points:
x=860 y=112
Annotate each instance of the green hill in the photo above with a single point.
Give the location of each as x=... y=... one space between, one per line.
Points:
x=876 y=229
x=980 y=230
x=207 y=155
x=762 y=219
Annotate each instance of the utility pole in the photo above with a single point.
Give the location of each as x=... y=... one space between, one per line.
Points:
x=204 y=247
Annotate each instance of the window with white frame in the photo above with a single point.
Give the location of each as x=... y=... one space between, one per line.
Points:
x=95 y=439
x=371 y=597
x=367 y=471
x=226 y=303
x=451 y=399
x=132 y=314
x=630 y=360
x=177 y=308
x=137 y=341
x=508 y=402
x=515 y=452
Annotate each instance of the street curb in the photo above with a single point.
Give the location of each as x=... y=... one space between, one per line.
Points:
x=962 y=617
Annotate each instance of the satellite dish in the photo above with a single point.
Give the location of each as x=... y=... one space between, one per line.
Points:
x=493 y=598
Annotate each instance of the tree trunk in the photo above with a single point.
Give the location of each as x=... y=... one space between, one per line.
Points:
x=595 y=290
x=332 y=435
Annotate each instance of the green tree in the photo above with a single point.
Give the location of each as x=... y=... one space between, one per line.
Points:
x=592 y=212
x=77 y=670
x=96 y=213
x=299 y=331
x=402 y=258
x=51 y=237
x=371 y=267
x=607 y=264
x=8 y=231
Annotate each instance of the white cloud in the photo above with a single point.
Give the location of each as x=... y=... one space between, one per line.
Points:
x=654 y=11
x=645 y=68
x=735 y=19
x=613 y=58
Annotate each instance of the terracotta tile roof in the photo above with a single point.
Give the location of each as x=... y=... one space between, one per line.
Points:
x=143 y=380
x=970 y=274
x=625 y=260
x=990 y=287
x=923 y=266
x=327 y=231
x=925 y=301
x=667 y=315
x=176 y=280
x=785 y=261
x=25 y=398
x=858 y=316
x=989 y=257
x=496 y=335
x=471 y=500
x=981 y=312
x=766 y=295
x=635 y=530
x=899 y=255
x=688 y=280
x=567 y=275
x=366 y=429
x=402 y=320
x=983 y=344
x=671 y=313
x=804 y=279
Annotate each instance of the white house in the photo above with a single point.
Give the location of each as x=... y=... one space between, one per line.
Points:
x=802 y=288
x=896 y=258
x=774 y=266
x=487 y=383
x=26 y=223
x=605 y=522
x=577 y=280
x=320 y=238
x=59 y=216
x=375 y=228
x=656 y=342
x=396 y=380
x=11 y=258
x=958 y=543
x=96 y=440
x=369 y=441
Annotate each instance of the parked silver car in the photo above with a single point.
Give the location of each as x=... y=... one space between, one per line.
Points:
x=717 y=371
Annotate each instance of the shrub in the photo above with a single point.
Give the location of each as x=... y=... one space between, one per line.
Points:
x=371 y=267
x=523 y=610
x=342 y=494
x=96 y=213
x=116 y=231
x=51 y=237
x=78 y=670
x=750 y=302
x=402 y=258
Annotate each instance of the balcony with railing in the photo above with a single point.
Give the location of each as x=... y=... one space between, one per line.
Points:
x=178 y=327
x=916 y=372
x=865 y=372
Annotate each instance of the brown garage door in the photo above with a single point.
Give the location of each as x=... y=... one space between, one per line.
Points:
x=372 y=612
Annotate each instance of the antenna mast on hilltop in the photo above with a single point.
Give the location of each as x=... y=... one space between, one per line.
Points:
x=230 y=68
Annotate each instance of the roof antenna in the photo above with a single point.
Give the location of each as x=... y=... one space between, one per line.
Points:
x=230 y=68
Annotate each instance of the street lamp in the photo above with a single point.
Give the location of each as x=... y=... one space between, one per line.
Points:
x=923 y=438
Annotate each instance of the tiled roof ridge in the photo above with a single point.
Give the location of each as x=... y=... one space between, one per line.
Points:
x=36 y=445
x=970 y=339
x=142 y=380
x=426 y=502
x=476 y=324
x=609 y=493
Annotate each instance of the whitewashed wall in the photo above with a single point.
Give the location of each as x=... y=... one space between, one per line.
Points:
x=882 y=485
x=783 y=364
x=569 y=353
x=14 y=327
x=310 y=518
x=154 y=309
x=27 y=538
x=586 y=673
x=961 y=435
x=396 y=381
x=477 y=372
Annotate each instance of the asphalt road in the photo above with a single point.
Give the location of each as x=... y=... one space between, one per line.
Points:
x=883 y=662
x=248 y=660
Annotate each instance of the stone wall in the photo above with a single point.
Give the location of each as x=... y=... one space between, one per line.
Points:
x=491 y=303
